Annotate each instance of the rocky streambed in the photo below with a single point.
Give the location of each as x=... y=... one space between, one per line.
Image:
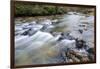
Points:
x=66 y=39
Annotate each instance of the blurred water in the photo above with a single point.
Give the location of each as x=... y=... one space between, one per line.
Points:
x=42 y=47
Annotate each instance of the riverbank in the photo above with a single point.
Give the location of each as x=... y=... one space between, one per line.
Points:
x=36 y=18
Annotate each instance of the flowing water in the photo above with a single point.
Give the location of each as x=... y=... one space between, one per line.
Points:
x=38 y=42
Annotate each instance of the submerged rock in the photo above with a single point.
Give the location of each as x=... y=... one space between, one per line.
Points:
x=80 y=43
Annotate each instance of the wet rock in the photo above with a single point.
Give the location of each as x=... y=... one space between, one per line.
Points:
x=91 y=57
x=31 y=32
x=74 y=58
x=91 y=50
x=77 y=55
x=25 y=33
x=47 y=28
x=85 y=59
x=70 y=61
x=66 y=36
x=81 y=31
x=80 y=43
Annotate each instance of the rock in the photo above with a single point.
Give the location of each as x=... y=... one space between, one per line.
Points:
x=25 y=33
x=21 y=31
x=85 y=59
x=77 y=55
x=66 y=36
x=80 y=43
x=70 y=61
x=31 y=32
x=91 y=57
x=91 y=50
x=81 y=31
x=47 y=28
x=75 y=59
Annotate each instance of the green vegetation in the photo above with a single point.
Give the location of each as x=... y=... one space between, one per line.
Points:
x=22 y=9
x=38 y=10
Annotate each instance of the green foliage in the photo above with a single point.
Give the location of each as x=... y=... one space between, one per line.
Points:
x=37 y=10
x=22 y=9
